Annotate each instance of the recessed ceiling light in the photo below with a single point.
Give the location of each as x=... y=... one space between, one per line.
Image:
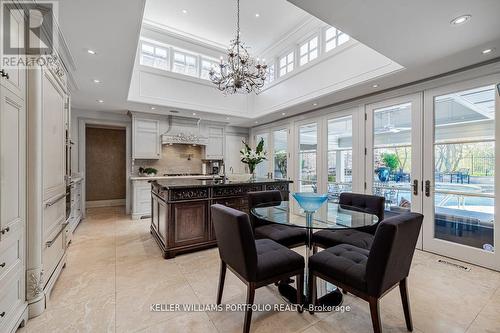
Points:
x=257 y=15
x=256 y=122
x=184 y=11
x=460 y=20
x=97 y=81
x=315 y=104
x=153 y=108
x=375 y=86
x=100 y=101
x=283 y=113
x=487 y=51
x=227 y=118
x=194 y=113
x=89 y=51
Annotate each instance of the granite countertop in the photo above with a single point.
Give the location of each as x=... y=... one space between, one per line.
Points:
x=196 y=183
x=134 y=178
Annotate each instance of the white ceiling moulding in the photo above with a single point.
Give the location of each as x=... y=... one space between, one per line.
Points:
x=187 y=37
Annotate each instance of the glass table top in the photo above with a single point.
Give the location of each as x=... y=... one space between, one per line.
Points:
x=332 y=216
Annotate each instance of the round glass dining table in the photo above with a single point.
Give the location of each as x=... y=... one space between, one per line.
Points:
x=332 y=217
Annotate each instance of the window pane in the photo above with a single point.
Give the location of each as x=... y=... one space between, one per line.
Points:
x=343 y=38
x=313 y=43
x=303 y=49
x=289 y=68
x=270 y=74
x=330 y=45
x=392 y=156
x=147 y=60
x=330 y=33
x=162 y=53
x=313 y=54
x=149 y=49
x=290 y=57
x=303 y=60
x=280 y=153
x=339 y=158
x=464 y=167
x=262 y=168
x=282 y=71
x=308 y=145
x=283 y=62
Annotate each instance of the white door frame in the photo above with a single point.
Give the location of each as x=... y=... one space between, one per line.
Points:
x=416 y=138
x=82 y=123
x=443 y=247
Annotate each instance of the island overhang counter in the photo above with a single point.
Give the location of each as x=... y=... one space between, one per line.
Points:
x=180 y=209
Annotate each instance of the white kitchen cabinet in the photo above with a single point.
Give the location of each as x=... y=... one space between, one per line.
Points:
x=13 y=77
x=232 y=159
x=141 y=199
x=13 y=305
x=47 y=220
x=146 y=138
x=215 y=146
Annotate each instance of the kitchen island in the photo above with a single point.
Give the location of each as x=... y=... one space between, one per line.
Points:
x=181 y=220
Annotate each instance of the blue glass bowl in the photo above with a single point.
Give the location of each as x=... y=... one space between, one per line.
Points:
x=310 y=202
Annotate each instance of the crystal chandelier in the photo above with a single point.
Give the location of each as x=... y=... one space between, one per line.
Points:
x=240 y=73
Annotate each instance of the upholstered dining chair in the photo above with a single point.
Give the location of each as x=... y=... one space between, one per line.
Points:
x=285 y=235
x=255 y=262
x=361 y=237
x=372 y=274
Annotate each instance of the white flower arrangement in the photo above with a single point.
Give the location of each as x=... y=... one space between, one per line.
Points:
x=253 y=157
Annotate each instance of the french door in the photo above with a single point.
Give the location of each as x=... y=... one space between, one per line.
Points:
x=460 y=180
x=276 y=146
x=394 y=153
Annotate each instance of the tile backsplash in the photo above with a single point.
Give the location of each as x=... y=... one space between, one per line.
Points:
x=175 y=159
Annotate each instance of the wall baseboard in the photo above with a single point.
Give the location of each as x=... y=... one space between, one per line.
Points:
x=105 y=203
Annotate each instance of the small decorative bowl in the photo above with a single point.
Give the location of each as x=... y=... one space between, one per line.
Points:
x=309 y=201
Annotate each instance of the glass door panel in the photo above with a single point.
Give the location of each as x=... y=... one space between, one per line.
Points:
x=280 y=153
x=392 y=156
x=339 y=157
x=308 y=151
x=462 y=202
x=262 y=169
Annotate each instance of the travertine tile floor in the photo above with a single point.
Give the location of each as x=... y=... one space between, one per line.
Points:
x=115 y=272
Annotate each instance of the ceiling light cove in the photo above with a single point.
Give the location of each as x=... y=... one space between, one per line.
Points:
x=460 y=19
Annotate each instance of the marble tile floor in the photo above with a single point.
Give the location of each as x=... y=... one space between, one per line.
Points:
x=115 y=272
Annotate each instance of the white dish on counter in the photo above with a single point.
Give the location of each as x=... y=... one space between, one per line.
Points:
x=239 y=177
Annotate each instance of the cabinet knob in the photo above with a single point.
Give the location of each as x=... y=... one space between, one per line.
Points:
x=4 y=74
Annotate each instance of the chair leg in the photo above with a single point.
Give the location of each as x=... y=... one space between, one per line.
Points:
x=300 y=291
x=248 y=313
x=311 y=284
x=315 y=249
x=222 y=277
x=403 y=289
x=375 y=313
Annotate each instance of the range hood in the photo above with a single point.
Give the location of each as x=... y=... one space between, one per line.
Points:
x=183 y=130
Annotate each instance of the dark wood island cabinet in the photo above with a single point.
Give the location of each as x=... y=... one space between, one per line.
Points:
x=180 y=214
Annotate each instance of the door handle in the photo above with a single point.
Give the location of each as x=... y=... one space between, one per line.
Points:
x=415 y=187
x=427 y=188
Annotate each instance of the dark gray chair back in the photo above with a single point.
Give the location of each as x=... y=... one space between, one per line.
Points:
x=392 y=251
x=235 y=240
x=261 y=197
x=365 y=203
